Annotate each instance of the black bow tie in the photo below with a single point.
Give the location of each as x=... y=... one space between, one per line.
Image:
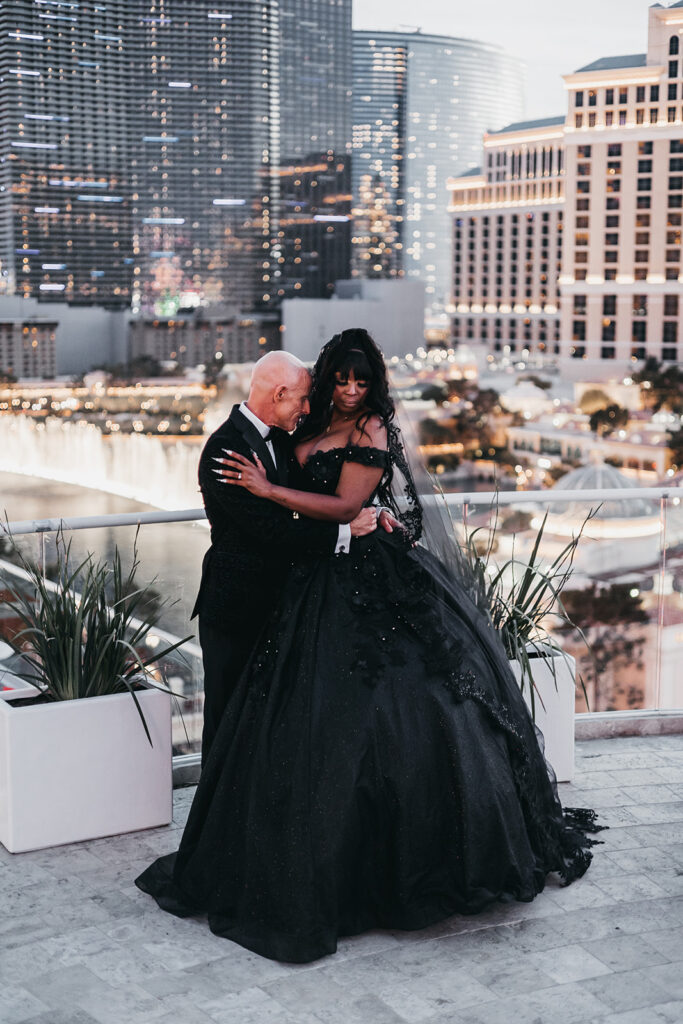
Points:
x=270 y=435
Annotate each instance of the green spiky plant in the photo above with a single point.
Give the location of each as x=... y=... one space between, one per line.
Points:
x=82 y=635
x=524 y=609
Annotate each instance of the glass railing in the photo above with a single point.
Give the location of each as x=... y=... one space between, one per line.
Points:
x=625 y=593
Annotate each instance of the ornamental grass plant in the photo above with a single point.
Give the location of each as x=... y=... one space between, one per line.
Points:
x=523 y=599
x=83 y=634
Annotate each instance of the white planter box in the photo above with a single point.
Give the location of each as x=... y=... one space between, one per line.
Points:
x=14 y=688
x=82 y=769
x=554 y=709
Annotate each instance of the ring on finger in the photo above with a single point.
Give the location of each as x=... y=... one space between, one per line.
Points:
x=239 y=476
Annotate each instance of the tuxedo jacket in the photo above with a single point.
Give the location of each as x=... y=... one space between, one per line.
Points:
x=253 y=541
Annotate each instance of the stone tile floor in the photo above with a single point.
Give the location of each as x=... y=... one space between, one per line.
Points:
x=79 y=944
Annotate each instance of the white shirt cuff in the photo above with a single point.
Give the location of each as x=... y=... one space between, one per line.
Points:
x=343 y=539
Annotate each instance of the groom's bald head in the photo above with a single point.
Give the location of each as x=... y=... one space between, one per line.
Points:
x=279 y=390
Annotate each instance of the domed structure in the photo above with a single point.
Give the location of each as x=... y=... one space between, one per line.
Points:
x=632 y=517
x=525 y=397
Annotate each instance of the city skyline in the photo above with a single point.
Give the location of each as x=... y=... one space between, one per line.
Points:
x=552 y=41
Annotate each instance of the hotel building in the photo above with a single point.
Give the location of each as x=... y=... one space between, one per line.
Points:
x=420 y=105
x=621 y=273
x=194 y=338
x=610 y=192
x=27 y=347
x=507 y=240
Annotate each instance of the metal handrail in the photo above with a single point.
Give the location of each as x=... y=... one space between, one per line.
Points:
x=551 y=497
x=56 y=524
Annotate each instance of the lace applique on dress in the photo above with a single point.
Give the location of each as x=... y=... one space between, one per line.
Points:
x=325 y=464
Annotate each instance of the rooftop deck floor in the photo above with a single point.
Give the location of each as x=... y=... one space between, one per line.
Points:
x=79 y=944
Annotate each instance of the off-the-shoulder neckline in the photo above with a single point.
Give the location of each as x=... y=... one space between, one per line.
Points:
x=341 y=448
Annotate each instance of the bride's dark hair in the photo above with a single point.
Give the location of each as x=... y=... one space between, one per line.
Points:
x=355 y=350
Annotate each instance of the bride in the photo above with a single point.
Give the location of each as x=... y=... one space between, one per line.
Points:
x=376 y=766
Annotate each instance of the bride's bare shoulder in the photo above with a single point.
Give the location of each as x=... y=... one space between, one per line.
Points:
x=370 y=433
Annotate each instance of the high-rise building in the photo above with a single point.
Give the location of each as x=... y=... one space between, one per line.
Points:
x=171 y=154
x=600 y=191
x=621 y=283
x=420 y=105
x=507 y=240
x=204 y=128
x=314 y=237
x=65 y=217
x=27 y=346
x=189 y=339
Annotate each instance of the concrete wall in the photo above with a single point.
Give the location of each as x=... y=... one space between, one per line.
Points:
x=392 y=312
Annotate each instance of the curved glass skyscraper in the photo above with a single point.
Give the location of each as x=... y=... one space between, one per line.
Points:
x=420 y=106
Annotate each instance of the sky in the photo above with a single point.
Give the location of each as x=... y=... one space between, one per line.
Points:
x=552 y=37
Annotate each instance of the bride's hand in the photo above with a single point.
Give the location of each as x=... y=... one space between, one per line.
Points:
x=242 y=472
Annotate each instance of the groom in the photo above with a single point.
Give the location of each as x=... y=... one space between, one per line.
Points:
x=254 y=541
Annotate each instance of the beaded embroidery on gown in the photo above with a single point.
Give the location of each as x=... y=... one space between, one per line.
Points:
x=376 y=767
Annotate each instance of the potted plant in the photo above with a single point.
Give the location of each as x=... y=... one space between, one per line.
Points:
x=523 y=599
x=89 y=754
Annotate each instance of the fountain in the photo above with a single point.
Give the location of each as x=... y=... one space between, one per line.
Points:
x=156 y=471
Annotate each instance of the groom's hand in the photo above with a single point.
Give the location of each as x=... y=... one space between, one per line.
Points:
x=364 y=523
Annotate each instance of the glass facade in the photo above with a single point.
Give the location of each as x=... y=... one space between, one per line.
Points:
x=65 y=215
x=171 y=154
x=204 y=147
x=420 y=106
x=314 y=240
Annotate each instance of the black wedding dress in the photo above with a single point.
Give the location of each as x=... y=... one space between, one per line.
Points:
x=376 y=766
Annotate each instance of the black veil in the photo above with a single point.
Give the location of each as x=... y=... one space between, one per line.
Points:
x=420 y=504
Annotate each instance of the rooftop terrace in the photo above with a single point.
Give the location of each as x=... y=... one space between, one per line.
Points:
x=81 y=945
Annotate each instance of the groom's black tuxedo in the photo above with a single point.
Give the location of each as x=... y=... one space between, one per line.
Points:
x=253 y=544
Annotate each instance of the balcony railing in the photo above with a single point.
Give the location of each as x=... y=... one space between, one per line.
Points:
x=629 y=568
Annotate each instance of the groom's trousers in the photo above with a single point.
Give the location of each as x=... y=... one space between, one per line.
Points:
x=225 y=653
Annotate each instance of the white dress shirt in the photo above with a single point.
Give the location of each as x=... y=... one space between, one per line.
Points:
x=344 y=535
x=262 y=428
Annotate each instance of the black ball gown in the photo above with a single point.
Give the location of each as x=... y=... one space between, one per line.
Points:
x=376 y=767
